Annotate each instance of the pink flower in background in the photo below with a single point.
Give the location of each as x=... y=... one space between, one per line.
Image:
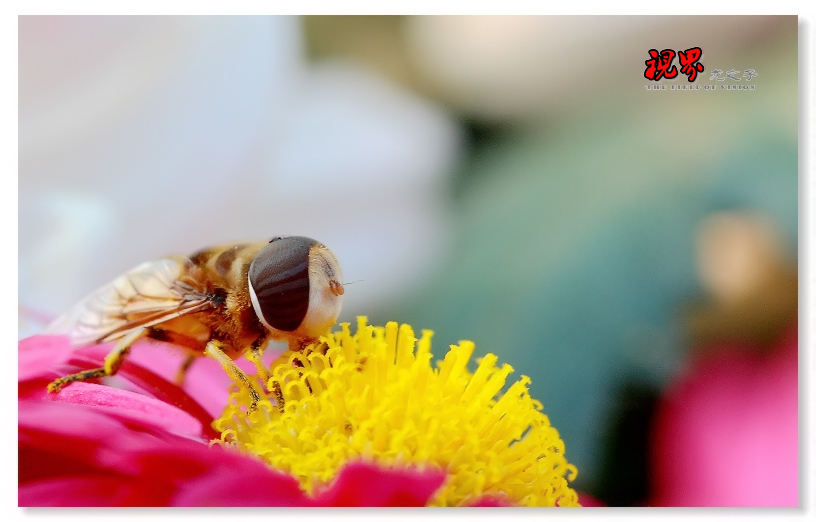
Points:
x=726 y=433
x=145 y=442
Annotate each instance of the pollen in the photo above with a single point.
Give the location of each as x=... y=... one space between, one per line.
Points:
x=376 y=396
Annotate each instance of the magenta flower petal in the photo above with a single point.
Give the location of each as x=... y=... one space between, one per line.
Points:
x=132 y=406
x=74 y=455
x=92 y=490
x=385 y=488
x=243 y=482
x=218 y=477
x=96 y=445
x=153 y=473
x=37 y=370
x=38 y=356
x=62 y=447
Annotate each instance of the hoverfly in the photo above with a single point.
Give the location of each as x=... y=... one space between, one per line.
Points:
x=223 y=302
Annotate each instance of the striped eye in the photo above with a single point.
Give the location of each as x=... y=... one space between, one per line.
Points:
x=279 y=282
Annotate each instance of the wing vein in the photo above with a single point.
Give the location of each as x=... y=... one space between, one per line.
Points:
x=149 y=294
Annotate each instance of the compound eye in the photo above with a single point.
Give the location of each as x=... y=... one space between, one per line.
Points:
x=279 y=282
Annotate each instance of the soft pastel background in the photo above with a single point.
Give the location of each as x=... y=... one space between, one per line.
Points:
x=504 y=179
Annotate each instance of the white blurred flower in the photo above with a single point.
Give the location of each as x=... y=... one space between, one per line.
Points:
x=517 y=68
x=147 y=136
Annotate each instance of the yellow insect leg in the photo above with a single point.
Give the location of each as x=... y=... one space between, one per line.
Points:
x=113 y=361
x=213 y=350
x=255 y=355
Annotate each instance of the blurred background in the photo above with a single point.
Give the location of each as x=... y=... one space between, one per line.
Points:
x=508 y=180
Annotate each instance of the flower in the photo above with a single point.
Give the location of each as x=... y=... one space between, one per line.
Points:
x=145 y=442
x=142 y=440
x=374 y=397
x=726 y=432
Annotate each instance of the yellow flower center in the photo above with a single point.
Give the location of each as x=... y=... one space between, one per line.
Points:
x=375 y=396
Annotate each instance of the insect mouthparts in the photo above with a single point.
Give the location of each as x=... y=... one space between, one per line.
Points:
x=218 y=297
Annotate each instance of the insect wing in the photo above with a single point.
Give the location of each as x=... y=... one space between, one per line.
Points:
x=151 y=293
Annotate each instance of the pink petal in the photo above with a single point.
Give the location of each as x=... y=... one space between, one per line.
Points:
x=148 y=383
x=57 y=439
x=77 y=455
x=38 y=356
x=230 y=479
x=135 y=407
x=160 y=358
x=66 y=420
x=45 y=358
x=92 y=490
x=366 y=484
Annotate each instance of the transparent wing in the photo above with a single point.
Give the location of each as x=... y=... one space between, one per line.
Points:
x=151 y=293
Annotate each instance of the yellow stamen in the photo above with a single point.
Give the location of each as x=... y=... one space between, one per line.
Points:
x=375 y=396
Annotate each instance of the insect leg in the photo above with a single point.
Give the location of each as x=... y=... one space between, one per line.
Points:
x=255 y=355
x=169 y=336
x=213 y=350
x=113 y=361
x=182 y=371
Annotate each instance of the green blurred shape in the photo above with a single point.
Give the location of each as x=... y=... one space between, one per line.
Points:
x=573 y=254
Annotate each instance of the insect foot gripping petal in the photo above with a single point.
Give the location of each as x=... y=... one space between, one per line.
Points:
x=113 y=361
x=60 y=383
x=214 y=351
